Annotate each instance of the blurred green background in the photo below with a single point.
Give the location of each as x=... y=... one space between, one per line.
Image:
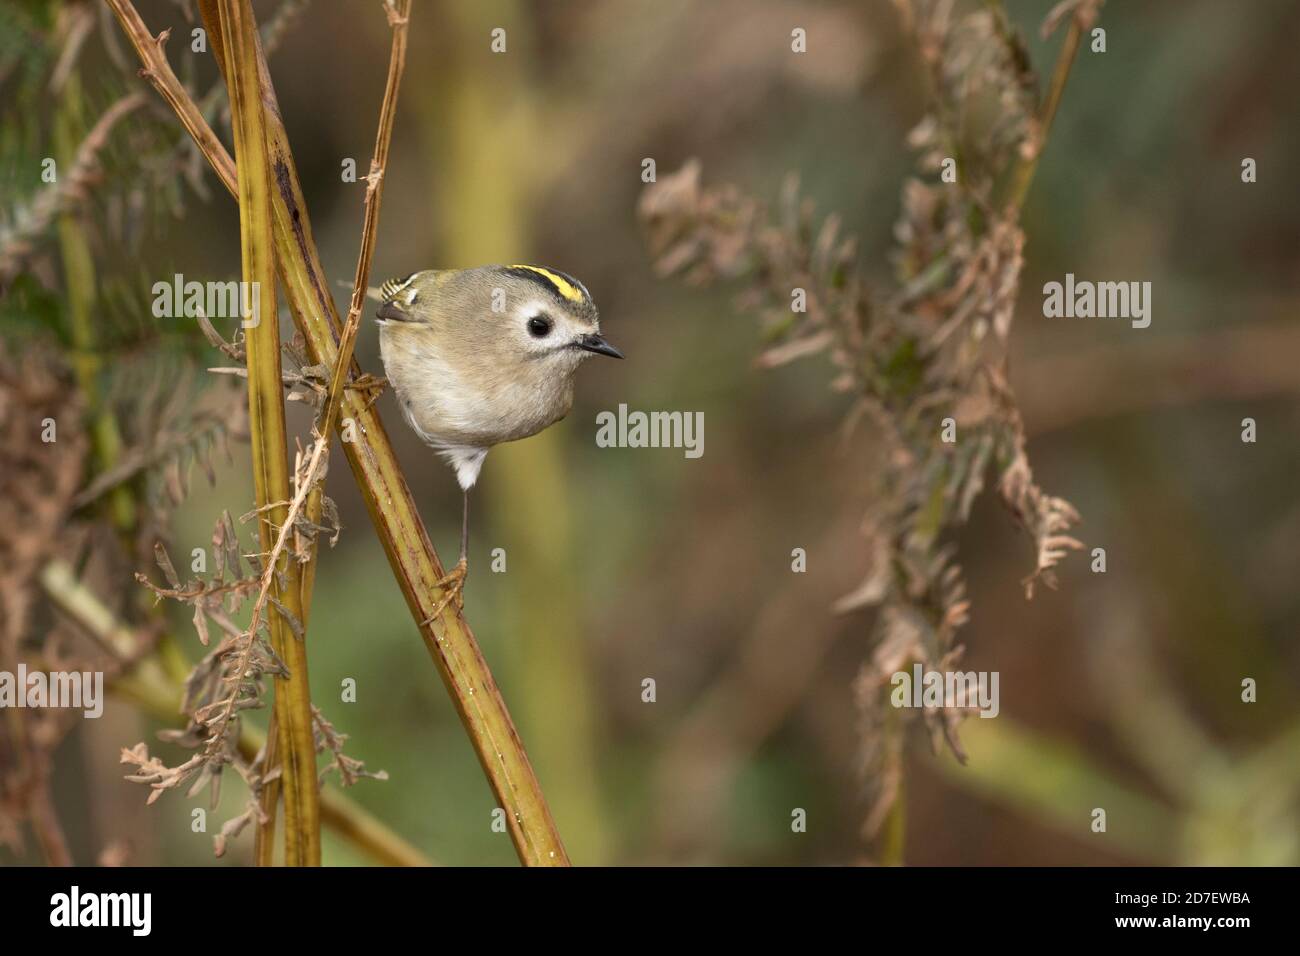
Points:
x=1119 y=690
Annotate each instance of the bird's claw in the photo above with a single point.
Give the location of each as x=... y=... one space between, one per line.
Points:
x=452 y=585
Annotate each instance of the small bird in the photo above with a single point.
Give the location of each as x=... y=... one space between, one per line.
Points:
x=482 y=356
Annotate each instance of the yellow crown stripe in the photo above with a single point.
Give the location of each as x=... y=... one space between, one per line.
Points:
x=567 y=288
x=391 y=287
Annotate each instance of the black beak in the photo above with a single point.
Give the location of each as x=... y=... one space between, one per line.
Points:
x=594 y=343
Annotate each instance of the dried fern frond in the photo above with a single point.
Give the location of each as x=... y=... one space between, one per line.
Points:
x=932 y=349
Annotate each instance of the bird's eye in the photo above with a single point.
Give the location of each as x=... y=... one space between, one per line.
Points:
x=539 y=326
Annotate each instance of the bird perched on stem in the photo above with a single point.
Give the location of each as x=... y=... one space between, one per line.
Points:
x=482 y=356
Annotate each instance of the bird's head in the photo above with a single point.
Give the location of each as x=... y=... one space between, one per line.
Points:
x=510 y=320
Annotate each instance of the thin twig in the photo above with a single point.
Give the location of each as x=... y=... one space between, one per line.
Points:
x=390 y=505
x=398 y=18
x=160 y=75
x=269 y=573
x=1022 y=174
x=399 y=13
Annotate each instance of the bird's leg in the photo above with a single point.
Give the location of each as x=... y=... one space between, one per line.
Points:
x=464 y=528
x=453 y=582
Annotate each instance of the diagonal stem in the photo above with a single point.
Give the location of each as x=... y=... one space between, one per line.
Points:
x=383 y=486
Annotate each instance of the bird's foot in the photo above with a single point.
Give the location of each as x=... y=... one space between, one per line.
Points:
x=369 y=386
x=452 y=585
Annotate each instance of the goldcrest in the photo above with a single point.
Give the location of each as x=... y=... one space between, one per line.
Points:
x=482 y=356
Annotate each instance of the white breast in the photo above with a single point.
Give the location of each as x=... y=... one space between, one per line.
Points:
x=463 y=413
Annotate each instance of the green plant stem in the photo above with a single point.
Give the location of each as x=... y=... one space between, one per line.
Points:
x=293 y=713
x=383 y=486
x=269 y=798
x=79 y=275
x=892 y=842
x=121 y=503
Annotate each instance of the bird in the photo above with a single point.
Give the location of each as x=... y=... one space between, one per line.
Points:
x=481 y=356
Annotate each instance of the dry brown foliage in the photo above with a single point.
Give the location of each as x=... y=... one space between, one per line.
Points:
x=930 y=348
